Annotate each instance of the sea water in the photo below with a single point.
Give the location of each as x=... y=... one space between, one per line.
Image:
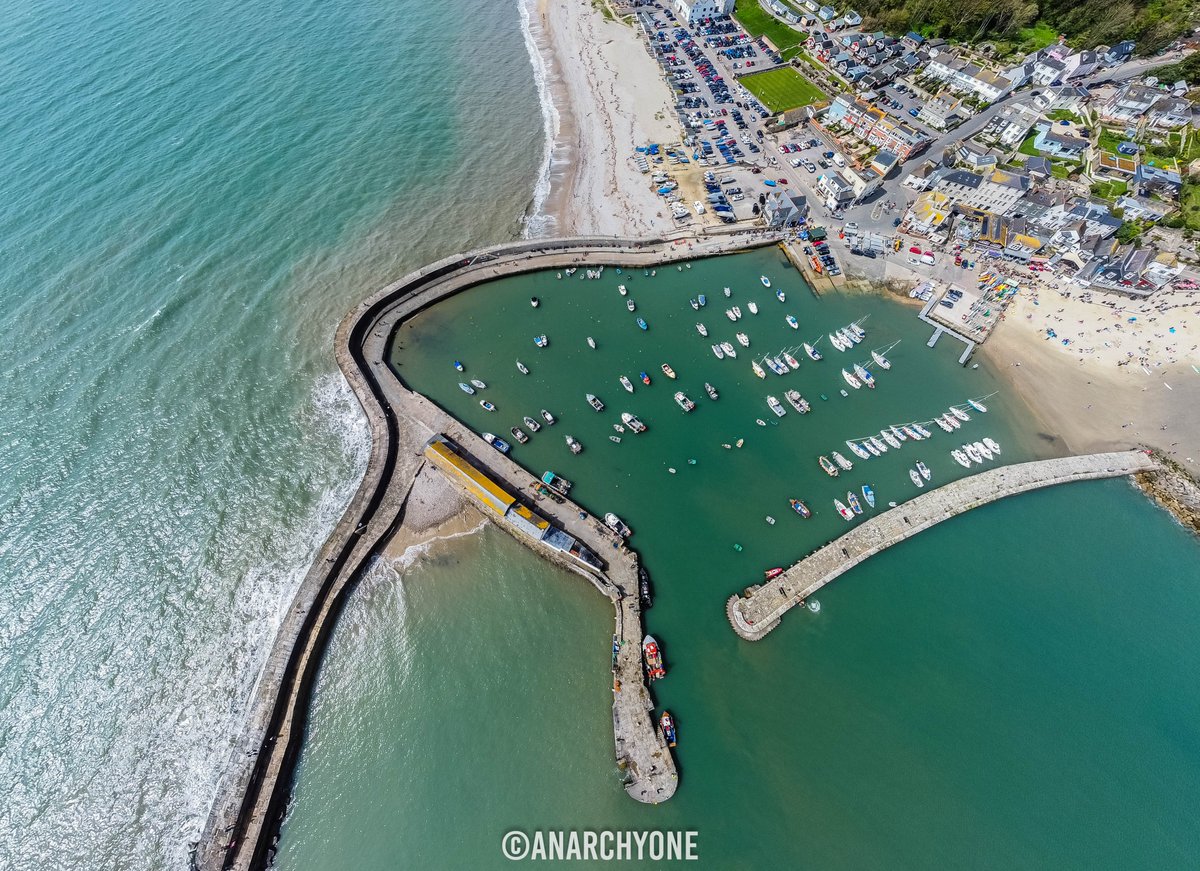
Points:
x=194 y=195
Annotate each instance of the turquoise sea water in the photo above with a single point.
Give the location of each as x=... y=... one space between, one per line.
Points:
x=194 y=194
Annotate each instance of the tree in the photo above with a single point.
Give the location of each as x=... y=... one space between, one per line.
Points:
x=1128 y=232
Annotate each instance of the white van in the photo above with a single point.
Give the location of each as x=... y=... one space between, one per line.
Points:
x=839 y=160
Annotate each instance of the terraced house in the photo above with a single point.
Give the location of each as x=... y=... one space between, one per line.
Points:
x=968 y=77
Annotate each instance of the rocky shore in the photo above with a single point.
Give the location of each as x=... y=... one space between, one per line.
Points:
x=1174 y=488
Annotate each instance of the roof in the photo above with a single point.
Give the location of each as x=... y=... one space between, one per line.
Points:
x=1040 y=165
x=474 y=480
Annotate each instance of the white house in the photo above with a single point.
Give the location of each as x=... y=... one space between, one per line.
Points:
x=695 y=11
x=968 y=77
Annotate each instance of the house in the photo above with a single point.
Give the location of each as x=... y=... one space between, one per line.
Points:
x=1110 y=164
x=1035 y=204
x=852 y=18
x=884 y=162
x=913 y=41
x=1013 y=123
x=874 y=126
x=1139 y=209
x=957 y=73
x=1021 y=74
x=1080 y=64
x=826 y=13
x=812 y=6
x=1048 y=71
x=785 y=209
x=1129 y=104
x=847 y=186
x=1039 y=168
x=856 y=72
x=695 y=11
x=1130 y=270
x=919 y=178
x=942 y=111
x=1079 y=219
x=1065 y=98
x=1118 y=54
x=929 y=214
x=997 y=191
x=1049 y=141
x=1168 y=113
x=1149 y=180
x=976 y=156
x=784 y=12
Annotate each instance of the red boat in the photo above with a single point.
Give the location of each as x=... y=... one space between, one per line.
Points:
x=653 y=657
x=667 y=724
x=772 y=573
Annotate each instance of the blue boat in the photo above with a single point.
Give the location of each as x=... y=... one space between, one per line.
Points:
x=869 y=494
x=702 y=299
x=541 y=341
x=458 y=365
x=769 y=182
x=641 y=323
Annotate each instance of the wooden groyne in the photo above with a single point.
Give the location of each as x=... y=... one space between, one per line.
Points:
x=252 y=795
x=753 y=616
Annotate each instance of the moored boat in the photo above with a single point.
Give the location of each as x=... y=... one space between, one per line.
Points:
x=776 y=406
x=993 y=444
x=978 y=406
x=897 y=433
x=924 y=470
x=983 y=449
x=683 y=402
x=960 y=414
x=836 y=341
x=792 y=362
x=911 y=432
x=851 y=380
x=890 y=439
x=594 y=402
x=841 y=461
x=766 y=282
x=548 y=417
x=852 y=499
x=753 y=306
x=870 y=446
x=466 y=388
x=694 y=304
x=771 y=574
x=866 y=377
x=829 y=468
x=701 y=329
x=626 y=383
x=878 y=445
x=845 y=512
x=645 y=378
x=486 y=406
x=921 y=431
x=952 y=420
x=868 y=494
x=645 y=592
x=812 y=352
x=667 y=723
x=728 y=293
x=916 y=477
x=792 y=322
x=858 y=449
x=541 y=341
x=758 y=370
x=631 y=305
x=710 y=390
x=458 y=365
x=737 y=312
x=533 y=425
x=642 y=324
x=719 y=352
x=775 y=366
x=729 y=350
x=943 y=425
x=617 y=525
x=800 y=508
x=591 y=343
x=534 y=301
x=631 y=421
x=496 y=442
x=797 y=401
x=960 y=458
x=668 y=371
x=881 y=361
x=779 y=294
x=703 y=300
x=971 y=453
x=621 y=289
x=519 y=435
x=653 y=659
x=743 y=340
x=574 y=444
x=522 y=368
x=477 y=384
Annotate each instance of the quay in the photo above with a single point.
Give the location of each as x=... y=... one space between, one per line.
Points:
x=754 y=615
x=939 y=329
x=252 y=797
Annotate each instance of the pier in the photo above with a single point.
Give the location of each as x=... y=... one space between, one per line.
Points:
x=252 y=796
x=756 y=614
x=940 y=328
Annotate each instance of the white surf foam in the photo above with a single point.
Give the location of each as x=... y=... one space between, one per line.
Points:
x=413 y=553
x=537 y=221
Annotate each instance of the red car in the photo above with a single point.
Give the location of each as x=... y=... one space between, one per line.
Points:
x=783 y=181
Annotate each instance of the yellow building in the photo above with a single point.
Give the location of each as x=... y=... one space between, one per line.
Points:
x=492 y=495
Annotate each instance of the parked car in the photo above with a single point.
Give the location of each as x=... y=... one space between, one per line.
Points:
x=914 y=112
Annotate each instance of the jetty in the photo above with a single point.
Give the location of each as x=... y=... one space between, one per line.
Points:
x=253 y=794
x=752 y=616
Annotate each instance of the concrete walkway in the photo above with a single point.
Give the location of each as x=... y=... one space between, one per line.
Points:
x=753 y=616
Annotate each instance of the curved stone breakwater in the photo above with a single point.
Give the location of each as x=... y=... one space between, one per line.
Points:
x=252 y=797
x=756 y=614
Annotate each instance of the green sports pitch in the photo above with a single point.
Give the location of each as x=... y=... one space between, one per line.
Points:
x=782 y=89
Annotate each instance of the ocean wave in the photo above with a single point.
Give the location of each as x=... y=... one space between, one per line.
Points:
x=536 y=220
x=414 y=552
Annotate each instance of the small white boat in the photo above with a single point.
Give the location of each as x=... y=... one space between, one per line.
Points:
x=897 y=433
x=466 y=388
x=541 y=341
x=728 y=292
x=626 y=383
x=912 y=433
x=729 y=314
x=631 y=421
x=978 y=406
x=812 y=352
x=943 y=425
x=875 y=452
x=921 y=431
x=631 y=305
x=701 y=329
x=591 y=343
x=694 y=303
x=775 y=365
x=924 y=470
x=574 y=445
x=758 y=370
x=477 y=384
x=776 y=406
x=486 y=406
x=973 y=454
x=534 y=301
x=621 y=289
x=737 y=312
x=952 y=420
x=881 y=361
x=594 y=401
x=841 y=461
x=836 y=341
x=533 y=425
x=522 y=368
x=877 y=444
x=858 y=449
x=779 y=295
x=618 y=427
x=851 y=380
x=868 y=494
x=983 y=449
x=892 y=441
x=548 y=417
x=856 y=331
x=743 y=340
x=916 y=477
x=760 y=421
x=496 y=442
x=616 y=439
x=792 y=362
x=845 y=512
x=729 y=350
x=960 y=458
x=766 y=282
x=960 y=414
x=797 y=401
x=753 y=306
x=716 y=349
x=993 y=444
x=792 y=322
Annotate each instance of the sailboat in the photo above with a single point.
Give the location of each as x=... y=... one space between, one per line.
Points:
x=812 y=352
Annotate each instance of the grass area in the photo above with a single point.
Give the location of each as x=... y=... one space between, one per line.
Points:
x=1063 y=115
x=782 y=89
x=1036 y=37
x=1189 y=204
x=1060 y=170
x=1110 y=189
x=759 y=22
x=1109 y=139
x=1027 y=146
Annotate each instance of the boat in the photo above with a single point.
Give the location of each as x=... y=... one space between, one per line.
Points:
x=858 y=450
x=594 y=402
x=960 y=458
x=729 y=314
x=621 y=289
x=983 y=449
x=779 y=294
x=841 y=461
x=849 y=337
x=768 y=518
x=548 y=417
x=911 y=432
x=710 y=390
x=993 y=444
x=753 y=306
x=846 y=513
x=645 y=592
x=618 y=427
x=836 y=341
x=541 y=341
x=668 y=371
x=797 y=401
x=952 y=420
x=870 y=446
x=631 y=305
x=776 y=406
x=812 y=352
x=729 y=350
x=941 y=423
x=716 y=349
x=916 y=477
x=667 y=724
x=521 y=367
x=881 y=361
x=792 y=322
x=591 y=343
x=921 y=431
x=971 y=452
x=653 y=659
x=683 y=402
x=701 y=329
x=533 y=425
x=758 y=370
x=631 y=421
x=498 y=443
x=760 y=421
x=694 y=304
x=466 y=388
x=477 y=384
x=703 y=300
x=924 y=470
x=851 y=380
x=737 y=312
x=890 y=439
x=800 y=508
x=645 y=378
x=879 y=446
x=574 y=445
x=897 y=433
x=519 y=435
x=852 y=499
x=458 y=365
x=960 y=414
x=743 y=340
x=792 y=362
x=775 y=366
x=830 y=469
x=534 y=301
x=766 y=282
x=642 y=324
x=868 y=494
x=771 y=574
x=617 y=525
x=856 y=331
x=866 y=377
x=978 y=406
x=486 y=406
x=728 y=292
x=626 y=383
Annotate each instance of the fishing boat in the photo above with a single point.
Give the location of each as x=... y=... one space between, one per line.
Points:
x=743 y=340
x=645 y=593
x=729 y=350
x=701 y=329
x=617 y=525
x=851 y=380
x=792 y=362
x=892 y=441
x=797 y=401
x=977 y=405
x=631 y=305
x=541 y=341
x=870 y=446
x=594 y=402
x=642 y=324
x=694 y=304
x=667 y=724
x=960 y=458
x=881 y=361
x=533 y=425
x=703 y=300
x=758 y=370
x=737 y=312
x=779 y=295
x=616 y=439
x=621 y=289
x=924 y=470
x=973 y=454
x=653 y=659
x=729 y=314
x=866 y=377
x=710 y=390
x=776 y=406
x=522 y=368
x=496 y=442
x=800 y=508
x=868 y=494
x=534 y=301
x=668 y=371
x=477 y=384
x=852 y=499
x=486 y=406
x=466 y=388
x=859 y=450
x=728 y=293
x=771 y=574
x=897 y=433
x=916 y=477
x=618 y=427
x=837 y=342
x=548 y=417
x=879 y=446
x=683 y=402
x=458 y=365
x=645 y=378
x=845 y=512
x=792 y=322
x=716 y=349
x=631 y=421
x=766 y=282
x=812 y=352
x=830 y=469
x=921 y=431
x=983 y=449
x=626 y=383
x=760 y=421
x=753 y=306
x=591 y=343
x=519 y=435
x=993 y=444
x=960 y=414
x=574 y=445
x=841 y=461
